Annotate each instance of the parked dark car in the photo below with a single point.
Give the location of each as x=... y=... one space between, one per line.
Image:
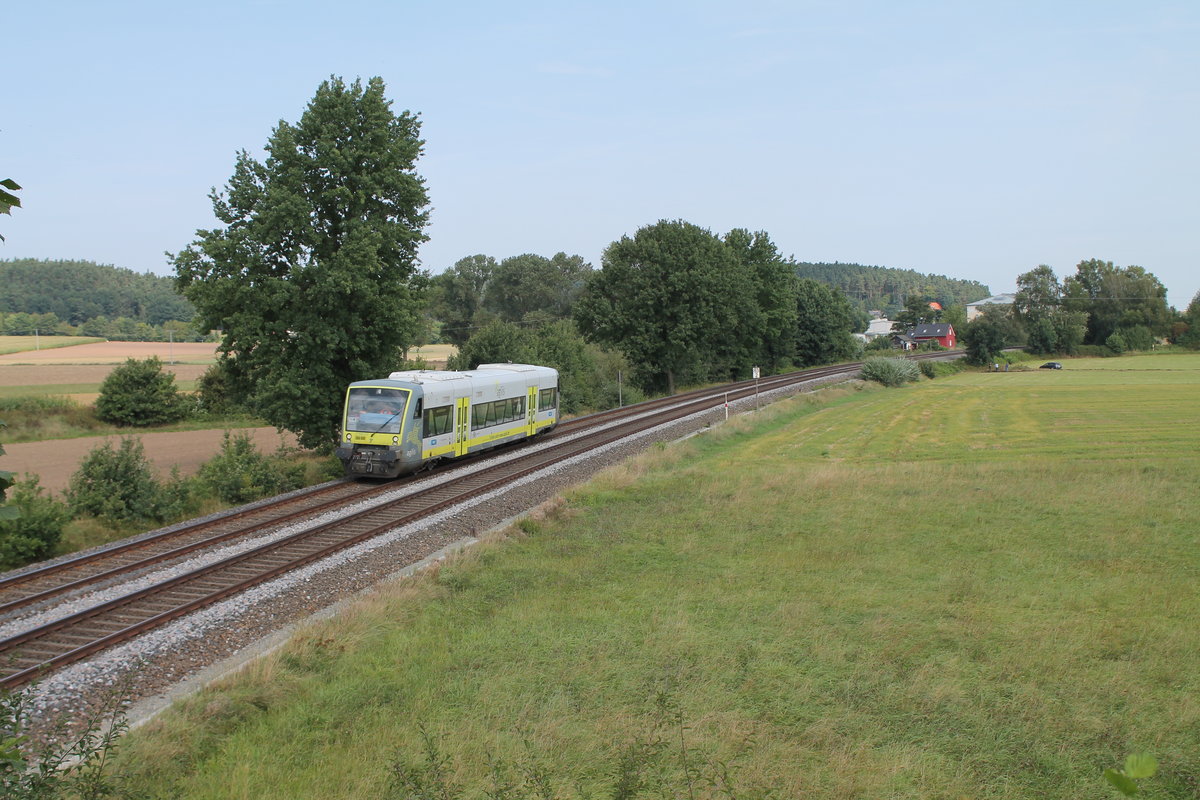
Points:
x=1051 y=365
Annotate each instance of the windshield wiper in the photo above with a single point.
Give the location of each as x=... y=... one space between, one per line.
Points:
x=387 y=422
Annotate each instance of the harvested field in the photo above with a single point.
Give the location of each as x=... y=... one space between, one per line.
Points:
x=34 y=375
x=116 y=353
x=78 y=371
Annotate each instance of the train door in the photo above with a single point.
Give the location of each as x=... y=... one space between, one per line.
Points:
x=531 y=407
x=462 y=425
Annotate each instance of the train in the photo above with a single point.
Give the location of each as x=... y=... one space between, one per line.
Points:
x=413 y=419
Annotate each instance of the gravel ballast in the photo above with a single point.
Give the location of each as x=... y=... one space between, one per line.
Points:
x=183 y=656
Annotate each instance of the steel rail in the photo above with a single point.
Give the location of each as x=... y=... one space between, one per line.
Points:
x=84 y=570
x=321 y=540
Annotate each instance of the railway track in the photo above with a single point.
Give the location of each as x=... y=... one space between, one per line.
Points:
x=31 y=653
x=89 y=571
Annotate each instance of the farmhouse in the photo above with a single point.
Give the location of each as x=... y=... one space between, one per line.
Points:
x=942 y=333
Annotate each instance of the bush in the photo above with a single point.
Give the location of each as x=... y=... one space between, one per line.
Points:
x=1115 y=342
x=216 y=393
x=890 y=371
x=6 y=480
x=239 y=473
x=139 y=393
x=1137 y=337
x=34 y=535
x=882 y=343
x=116 y=485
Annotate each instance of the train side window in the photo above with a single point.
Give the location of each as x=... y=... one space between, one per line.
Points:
x=417 y=410
x=478 y=415
x=437 y=421
x=548 y=398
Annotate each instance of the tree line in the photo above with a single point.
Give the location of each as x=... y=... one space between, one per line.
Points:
x=78 y=291
x=1102 y=309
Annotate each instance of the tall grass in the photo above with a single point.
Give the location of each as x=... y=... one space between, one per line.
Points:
x=980 y=586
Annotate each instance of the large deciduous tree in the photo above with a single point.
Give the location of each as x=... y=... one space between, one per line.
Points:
x=675 y=300
x=1117 y=300
x=990 y=333
x=917 y=311
x=772 y=342
x=1038 y=294
x=458 y=296
x=1038 y=307
x=529 y=283
x=825 y=322
x=313 y=279
x=8 y=200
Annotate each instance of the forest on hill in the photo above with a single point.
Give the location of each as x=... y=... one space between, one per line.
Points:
x=886 y=288
x=103 y=300
x=78 y=291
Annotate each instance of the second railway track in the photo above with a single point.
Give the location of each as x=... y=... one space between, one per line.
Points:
x=31 y=653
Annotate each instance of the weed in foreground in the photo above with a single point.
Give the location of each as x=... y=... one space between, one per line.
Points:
x=1137 y=766
x=64 y=763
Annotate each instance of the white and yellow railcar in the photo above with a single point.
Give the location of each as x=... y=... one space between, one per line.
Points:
x=396 y=425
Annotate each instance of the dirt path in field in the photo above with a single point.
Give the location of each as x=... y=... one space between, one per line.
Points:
x=55 y=461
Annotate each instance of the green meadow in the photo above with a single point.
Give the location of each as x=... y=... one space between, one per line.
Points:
x=980 y=586
x=21 y=344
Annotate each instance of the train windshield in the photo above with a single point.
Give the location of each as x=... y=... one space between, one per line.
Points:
x=375 y=409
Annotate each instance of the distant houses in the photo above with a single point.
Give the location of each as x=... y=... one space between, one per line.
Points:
x=942 y=333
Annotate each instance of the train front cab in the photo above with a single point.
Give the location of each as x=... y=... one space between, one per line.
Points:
x=381 y=429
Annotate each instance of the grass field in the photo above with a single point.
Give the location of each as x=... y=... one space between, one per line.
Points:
x=982 y=586
x=22 y=344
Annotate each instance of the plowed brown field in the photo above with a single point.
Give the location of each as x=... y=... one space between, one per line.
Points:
x=55 y=461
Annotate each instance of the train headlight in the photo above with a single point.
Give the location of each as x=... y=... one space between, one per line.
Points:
x=395 y=440
x=347 y=437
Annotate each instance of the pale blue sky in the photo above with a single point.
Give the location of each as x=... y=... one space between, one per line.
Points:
x=975 y=140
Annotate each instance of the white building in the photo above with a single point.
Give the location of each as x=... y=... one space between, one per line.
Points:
x=976 y=308
x=878 y=327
